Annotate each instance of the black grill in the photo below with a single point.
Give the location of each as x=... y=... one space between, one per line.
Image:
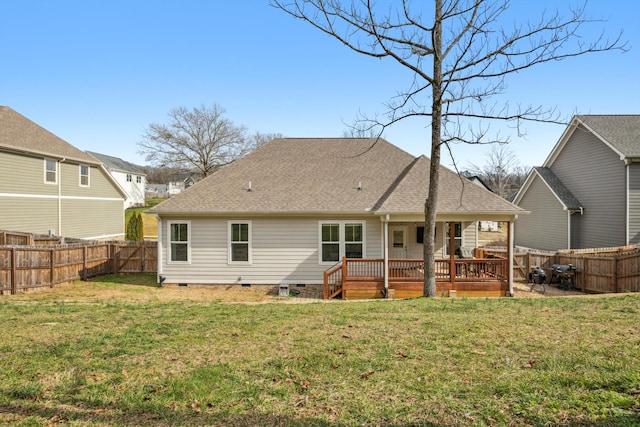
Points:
x=563 y=275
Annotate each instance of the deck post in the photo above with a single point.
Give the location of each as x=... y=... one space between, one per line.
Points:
x=385 y=240
x=510 y=256
x=344 y=275
x=452 y=254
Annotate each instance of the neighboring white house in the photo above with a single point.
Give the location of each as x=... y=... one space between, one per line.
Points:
x=130 y=177
x=178 y=182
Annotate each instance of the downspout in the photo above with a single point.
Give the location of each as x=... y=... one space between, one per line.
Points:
x=626 y=238
x=59 y=172
x=385 y=241
x=568 y=229
x=510 y=254
x=159 y=260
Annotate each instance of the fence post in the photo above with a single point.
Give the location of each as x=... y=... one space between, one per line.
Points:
x=52 y=267
x=14 y=286
x=142 y=256
x=615 y=275
x=116 y=261
x=85 y=251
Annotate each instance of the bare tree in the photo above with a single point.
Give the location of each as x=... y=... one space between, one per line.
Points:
x=501 y=172
x=201 y=139
x=459 y=53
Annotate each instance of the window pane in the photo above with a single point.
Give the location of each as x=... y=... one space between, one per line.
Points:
x=178 y=232
x=239 y=252
x=239 y=232
x=330 y=252
x=330 y=232
x=353 y=250
x=50 y=174
x=353 y=232
x=178 y=252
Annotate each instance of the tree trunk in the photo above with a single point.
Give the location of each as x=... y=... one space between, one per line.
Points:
x=431 y=203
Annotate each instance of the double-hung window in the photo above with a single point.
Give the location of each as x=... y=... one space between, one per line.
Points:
x=84 y=176
x=129 y=177
x=179 y=241
x=50 y=171
x=341 y=239
x=240 y=242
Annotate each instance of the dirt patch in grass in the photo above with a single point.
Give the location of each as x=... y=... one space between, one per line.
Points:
x=143 y=287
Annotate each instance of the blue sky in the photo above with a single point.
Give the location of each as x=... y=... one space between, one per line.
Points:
x=97 y=73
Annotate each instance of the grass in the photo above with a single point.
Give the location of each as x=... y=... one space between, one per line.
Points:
x=149 y=221
x=133 y=354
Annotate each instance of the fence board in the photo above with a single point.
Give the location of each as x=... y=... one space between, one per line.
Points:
x=28 y=267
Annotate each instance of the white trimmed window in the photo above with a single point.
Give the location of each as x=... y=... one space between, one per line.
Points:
x=341 y=239
x=84 y=176
x=50 y=171
x=129 y=178
x=138 y=179
x=179 y=241
x=240 y=242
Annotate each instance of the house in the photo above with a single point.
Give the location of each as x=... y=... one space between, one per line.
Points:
x=178 y=182
x=587 y=192
x=293 y=209
x=48 y=186
x=157 y=191
x=130 y=177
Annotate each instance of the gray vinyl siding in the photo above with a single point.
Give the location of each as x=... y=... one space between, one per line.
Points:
x=596 y=176
x=99 y=184
x=31 y=205
x=24 y=175
x=546 y=227
x=284 y=250
x=634 y=203
x=18 y=214
x=93 y=219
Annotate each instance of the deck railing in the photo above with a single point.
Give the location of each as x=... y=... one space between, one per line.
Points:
x=412 y=270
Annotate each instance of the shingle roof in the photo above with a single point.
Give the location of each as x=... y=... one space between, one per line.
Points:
x=21 y=134
x=329 y=175
x=621 y=131
x=456 y=194
x=555 y=185
x=115 y=163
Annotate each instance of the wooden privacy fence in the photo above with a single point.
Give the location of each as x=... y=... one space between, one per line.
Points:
x=29 y=267
x=600 y=270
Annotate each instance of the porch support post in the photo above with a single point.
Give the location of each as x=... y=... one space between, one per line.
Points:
x=385 y=240
x=510 y=256
x=452 y=253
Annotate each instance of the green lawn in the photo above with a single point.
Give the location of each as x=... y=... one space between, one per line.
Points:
x=100 y=361
x=149 y=221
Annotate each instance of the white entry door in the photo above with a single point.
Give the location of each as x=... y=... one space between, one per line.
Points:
x=398 y=242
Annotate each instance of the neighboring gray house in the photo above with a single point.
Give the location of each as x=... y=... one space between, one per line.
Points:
x=47 y=186
x=130 y=177
x=178 y=182
x=587 y=192
x=291 y=209
x=157 y=191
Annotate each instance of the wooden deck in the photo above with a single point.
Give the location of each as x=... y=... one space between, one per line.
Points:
x=364 y=278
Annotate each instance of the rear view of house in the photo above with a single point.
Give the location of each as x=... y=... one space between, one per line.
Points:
x=297 y=207
x=47 y=186
x=587 y=193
